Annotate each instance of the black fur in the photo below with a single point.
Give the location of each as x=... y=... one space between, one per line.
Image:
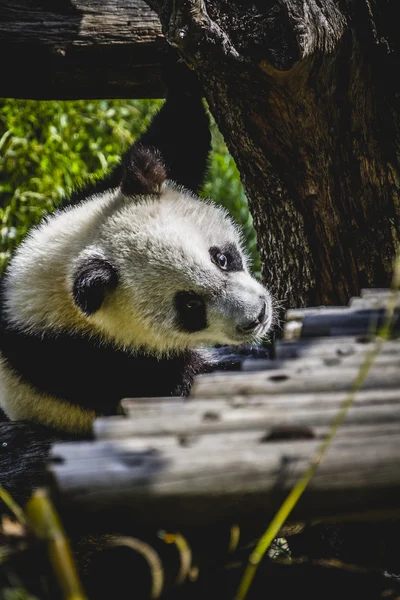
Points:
x=24 y=450
x=91 y=374
x=92 y=281
x=191 y=311
x=143 y=171
x=181 y=133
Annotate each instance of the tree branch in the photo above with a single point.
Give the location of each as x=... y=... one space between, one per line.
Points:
x=80 y=49
x=190 y=25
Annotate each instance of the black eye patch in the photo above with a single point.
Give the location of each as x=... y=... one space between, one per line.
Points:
x=234 y=260
x=191 y=311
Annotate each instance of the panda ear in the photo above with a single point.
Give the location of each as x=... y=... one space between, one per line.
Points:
x=92 y=280
x=143 y=171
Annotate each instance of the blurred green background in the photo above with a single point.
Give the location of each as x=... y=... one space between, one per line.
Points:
x=48 y=148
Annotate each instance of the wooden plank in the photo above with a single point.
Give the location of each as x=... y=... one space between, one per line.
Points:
x=347 y=358
x=294 y=318
x=284 y=381
x=238 y=413
x=349 y=322
x=225 y=477
x=363 y=315
x=341 y=321
x=232 y=451
x=332 y=347
x=288 y=417
x=380 y=301
x=80 y=49
x=138 y=407
x=117 y=428
x=376 y=292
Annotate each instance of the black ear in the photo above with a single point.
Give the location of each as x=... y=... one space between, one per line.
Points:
x=92 y=281
x=143 y=171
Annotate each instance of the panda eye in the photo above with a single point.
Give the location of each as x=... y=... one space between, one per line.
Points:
x=219 y=258
x=227 y=259
x=222 y=261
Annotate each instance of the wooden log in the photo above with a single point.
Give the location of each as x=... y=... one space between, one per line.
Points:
x=364 y=315
x=231 y=452
x=331 y=347
x=294 y=319
x=300 y=415
x=371 y=293
x=350 y=322
x=337 y=321
x=80 y=49
x=371 y=301
x=328 y=379
x=227 y=477
x=328 y=355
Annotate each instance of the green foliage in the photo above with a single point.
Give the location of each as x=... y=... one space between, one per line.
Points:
x=48 y=148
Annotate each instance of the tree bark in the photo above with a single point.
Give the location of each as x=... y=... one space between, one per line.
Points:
x=306 y=94
x=73 y=49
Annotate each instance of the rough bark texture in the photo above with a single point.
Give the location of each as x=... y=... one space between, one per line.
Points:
x=306 y=95
x=80 y=49
x=305 y=92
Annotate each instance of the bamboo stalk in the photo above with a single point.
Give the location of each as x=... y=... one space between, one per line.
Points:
x=46 y=525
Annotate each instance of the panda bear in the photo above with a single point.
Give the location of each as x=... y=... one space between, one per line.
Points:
x=115 y=293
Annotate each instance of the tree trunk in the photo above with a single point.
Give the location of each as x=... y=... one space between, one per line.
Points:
x=306 y=94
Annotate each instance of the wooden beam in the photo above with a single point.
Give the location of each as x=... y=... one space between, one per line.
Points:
x=233 y=450
x=80 y=49
x=168 y=481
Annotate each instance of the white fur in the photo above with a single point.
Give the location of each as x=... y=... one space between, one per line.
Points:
x=159 y=246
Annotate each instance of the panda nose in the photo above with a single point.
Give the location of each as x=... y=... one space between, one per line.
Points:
x=261 y=316
x=260 y=319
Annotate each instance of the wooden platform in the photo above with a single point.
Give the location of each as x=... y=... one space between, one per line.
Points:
x=233 y=450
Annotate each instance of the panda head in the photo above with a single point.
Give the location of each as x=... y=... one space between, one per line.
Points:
x=165 y=270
